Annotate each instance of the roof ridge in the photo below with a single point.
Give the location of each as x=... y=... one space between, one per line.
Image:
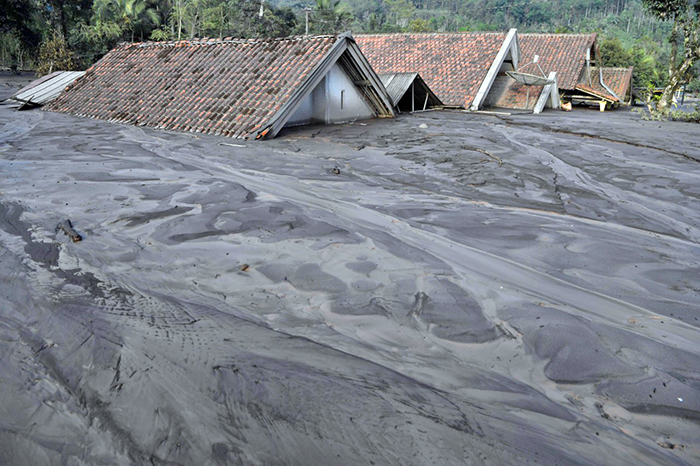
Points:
x=568 y=34
x=228 y=40
x=458 y=33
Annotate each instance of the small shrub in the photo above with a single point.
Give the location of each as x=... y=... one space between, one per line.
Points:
x=54 y=55
x=13 y=54
x=688 y=117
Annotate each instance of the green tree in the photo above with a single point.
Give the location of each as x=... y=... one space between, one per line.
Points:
x=684 y=38
x=329 y=17
x=54 y=54
x=418 y=25
x=613 y=53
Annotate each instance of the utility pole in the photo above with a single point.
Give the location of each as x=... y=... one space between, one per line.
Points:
x=307 y=10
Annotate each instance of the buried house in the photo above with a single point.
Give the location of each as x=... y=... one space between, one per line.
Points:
x=575 y=57
x=460 y=68
x=232 y=87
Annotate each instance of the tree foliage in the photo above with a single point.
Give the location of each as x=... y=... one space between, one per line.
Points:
x=684 y=39
x=54 y=54
x=91 y=27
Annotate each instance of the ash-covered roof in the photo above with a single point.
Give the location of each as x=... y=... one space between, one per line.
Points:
x=563 y=53
x=231 y=87
x=453 y=65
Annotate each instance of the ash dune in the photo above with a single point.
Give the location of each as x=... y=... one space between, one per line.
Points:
x=483 y=291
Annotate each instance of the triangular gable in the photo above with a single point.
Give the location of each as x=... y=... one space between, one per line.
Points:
x=506 y=60
x=234 y=87
x=403 y=87
x=348 y=56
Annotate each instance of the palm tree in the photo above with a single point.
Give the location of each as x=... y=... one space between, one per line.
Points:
x=129 y=15
x=327 y=5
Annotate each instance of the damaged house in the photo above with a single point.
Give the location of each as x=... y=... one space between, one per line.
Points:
x=459 y=68
x=575 y=59
x=231 y=87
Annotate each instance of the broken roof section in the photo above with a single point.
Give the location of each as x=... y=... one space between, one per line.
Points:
x=459 y=68
x=47 y=88
x=507 y=93
x=234 y=87
x=612 y=85
x=408 y=92
x=564 y=54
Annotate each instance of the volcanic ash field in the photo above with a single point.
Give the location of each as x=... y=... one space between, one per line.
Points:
x=481 y=291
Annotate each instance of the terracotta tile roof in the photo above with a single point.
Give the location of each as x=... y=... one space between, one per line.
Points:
x=453 y=65
x=619 y=80
x=506 y=92
x=227 y=87
x=563 y=53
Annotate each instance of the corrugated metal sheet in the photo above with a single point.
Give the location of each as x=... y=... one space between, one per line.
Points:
x=47 y=88
x=397 y=84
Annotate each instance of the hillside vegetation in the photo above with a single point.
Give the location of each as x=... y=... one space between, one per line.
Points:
x=51 y=34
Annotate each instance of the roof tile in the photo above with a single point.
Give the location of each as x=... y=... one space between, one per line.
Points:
x=452 y=64
x=563 y=53
x=231 y=87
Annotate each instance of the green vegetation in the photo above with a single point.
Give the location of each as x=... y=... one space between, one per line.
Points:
x=684 y=15
x=35 y=33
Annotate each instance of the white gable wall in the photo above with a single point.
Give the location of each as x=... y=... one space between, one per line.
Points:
x=334 y=100
x=511 y=49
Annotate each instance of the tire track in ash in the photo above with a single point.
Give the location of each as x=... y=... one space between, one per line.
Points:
x=158 y=383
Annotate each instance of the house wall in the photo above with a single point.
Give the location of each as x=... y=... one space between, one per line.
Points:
x=334 y=100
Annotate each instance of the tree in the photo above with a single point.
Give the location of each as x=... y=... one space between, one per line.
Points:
x=54 y=54
x=130 y=16
x=329 y=17
x=613 y=53
x=684 y=39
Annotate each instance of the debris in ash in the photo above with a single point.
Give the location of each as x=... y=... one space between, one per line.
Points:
x=67 y=227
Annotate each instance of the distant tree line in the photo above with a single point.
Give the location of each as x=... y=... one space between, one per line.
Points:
x=52 y=34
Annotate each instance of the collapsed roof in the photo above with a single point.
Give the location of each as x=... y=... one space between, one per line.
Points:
x=47 y=88
x=564 y=54
x=507 y=93
x=232 y=87
x=574 y=58
x=459 y=67
x=613 y=85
